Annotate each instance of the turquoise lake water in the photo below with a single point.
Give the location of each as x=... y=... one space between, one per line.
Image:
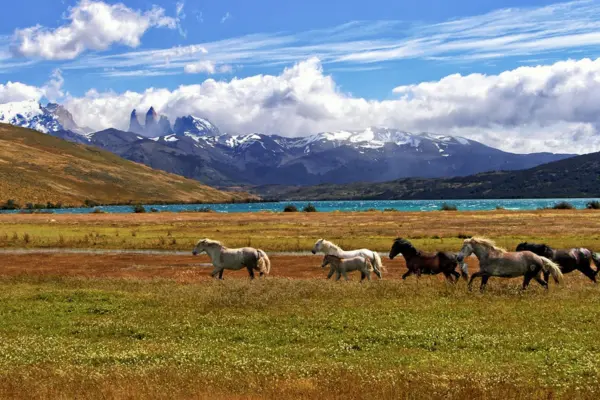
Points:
x=328 y=206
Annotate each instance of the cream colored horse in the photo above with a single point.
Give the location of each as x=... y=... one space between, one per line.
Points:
x=495 y=261
x=235 y=259
x=327 y=247
x=344 y=265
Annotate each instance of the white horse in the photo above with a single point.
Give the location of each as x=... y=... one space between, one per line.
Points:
x=223 y=258
x=344 y=265
x=326 y=247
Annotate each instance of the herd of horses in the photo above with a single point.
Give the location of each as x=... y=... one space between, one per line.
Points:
x=529 y=260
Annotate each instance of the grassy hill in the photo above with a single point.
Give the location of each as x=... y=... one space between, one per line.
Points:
x=577 y=176
x=39 y=168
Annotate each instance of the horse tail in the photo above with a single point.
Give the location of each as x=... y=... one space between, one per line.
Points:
x=264 y=264
x=550 y=266
x=378 y=265
x=369 y=264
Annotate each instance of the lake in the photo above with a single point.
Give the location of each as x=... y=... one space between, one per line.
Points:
x=354 y=205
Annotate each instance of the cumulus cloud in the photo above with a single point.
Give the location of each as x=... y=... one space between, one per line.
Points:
x=543 y=108
x=16 y=91
x=93 y=25
x=225 y=17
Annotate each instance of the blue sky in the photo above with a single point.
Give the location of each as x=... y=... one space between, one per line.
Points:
x=519 y=75
x=209 y=24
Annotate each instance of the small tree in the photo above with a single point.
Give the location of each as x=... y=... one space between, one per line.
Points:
x=563 y=205
x=593 y=205
x=309 y=208
x=138 y=209
x=290 y=208
x=448 y=207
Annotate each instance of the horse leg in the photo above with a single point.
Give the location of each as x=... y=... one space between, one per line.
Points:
x=338 y=275
x=456 y=276
x=526 y=280
x=484 y=279
x=475 y=275
x=407 y=274
x=546 y=275
x=448 y=277
x=250 y=272
x=331 y=272
x=221 y=274
x=588 y=271
x=541 y=281
x=217 y=271
x=345 y=275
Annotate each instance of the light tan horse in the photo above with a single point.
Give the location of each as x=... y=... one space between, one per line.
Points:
x=344 y=265
x=235 y=259
x=327 y=247
x=496 y=261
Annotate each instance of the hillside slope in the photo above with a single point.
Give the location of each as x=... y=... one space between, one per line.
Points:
x=38 y=168
x=577 y=176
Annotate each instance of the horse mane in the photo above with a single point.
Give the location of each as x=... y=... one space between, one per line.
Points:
x=210 y=242
x=487 y=243
x=328 y=244
x=406 y=243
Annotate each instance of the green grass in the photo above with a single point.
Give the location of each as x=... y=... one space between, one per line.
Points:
x=294 y=338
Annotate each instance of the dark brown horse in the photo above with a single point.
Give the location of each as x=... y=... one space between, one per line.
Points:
x=569 y=260
x=419 y=262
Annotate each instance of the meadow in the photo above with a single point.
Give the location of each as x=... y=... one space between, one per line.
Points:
x=155 y=326
x=443 y=230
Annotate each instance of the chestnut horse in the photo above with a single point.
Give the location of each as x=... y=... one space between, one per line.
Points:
x=419 y=262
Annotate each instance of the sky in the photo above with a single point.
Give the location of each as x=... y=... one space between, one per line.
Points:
x=523 y=76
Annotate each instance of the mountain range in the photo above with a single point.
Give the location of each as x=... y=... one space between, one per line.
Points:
x=195 y=148
x=577 y=176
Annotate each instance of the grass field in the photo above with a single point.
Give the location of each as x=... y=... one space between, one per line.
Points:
x=299 y=231
x=155 y=326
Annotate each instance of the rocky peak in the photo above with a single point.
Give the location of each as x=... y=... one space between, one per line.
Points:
x=134 y=123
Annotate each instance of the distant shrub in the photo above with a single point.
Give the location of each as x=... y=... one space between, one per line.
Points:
x=154 y=210
x=593 y=205
x=98 y=211
x=138 y=209
x=563 y=205
x=309 y=208
x=10 y=205
x=90 y=203
x=448 y=207
x=290 y=208
x=500 y=208
x=205 y=210
x=464 y=236
x=389 y=210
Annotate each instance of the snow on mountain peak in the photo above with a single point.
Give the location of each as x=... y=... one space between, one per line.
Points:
x=29 y=114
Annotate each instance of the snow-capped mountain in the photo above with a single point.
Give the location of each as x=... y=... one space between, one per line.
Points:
x=197 y=149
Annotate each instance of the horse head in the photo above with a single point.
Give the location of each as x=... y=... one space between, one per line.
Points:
x=200 y=247
x=465 y=251
x=317 y=247
x=401 y=246
x=522 y=246
x=328 y=259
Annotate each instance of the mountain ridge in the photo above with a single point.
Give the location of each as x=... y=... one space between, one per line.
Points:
x=195 y=148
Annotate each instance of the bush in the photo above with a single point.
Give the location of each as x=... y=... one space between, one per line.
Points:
x=90 y=203
x=593 y=205
x=448 y=207
x=10 y=205
x=563 y=205
x=389 y=210
x=290 y=208
x=154 y=210
x=138 y=209
x=309 y=208
x=500 y=208
x=97 y=211
x=205 y=210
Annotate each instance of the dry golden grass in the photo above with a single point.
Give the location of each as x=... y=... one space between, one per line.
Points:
x=38 y=168
x=299 y=231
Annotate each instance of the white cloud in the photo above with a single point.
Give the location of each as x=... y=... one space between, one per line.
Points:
x=16 y=91
x=544 y=108
x=206 y=67
x=225 y=17
x=93 y=25
x=517 y=32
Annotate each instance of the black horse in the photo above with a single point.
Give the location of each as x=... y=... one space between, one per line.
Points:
x=569 y=260
x=419 y=262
